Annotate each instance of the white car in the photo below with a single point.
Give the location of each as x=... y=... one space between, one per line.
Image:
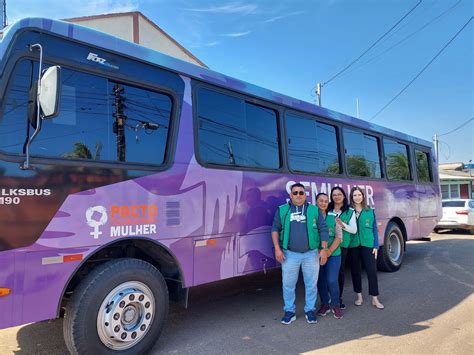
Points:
x=457 y=214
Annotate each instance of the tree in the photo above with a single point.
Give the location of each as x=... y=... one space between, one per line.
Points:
x=422 y=167
x=397 y=166
x=80 y=151
x=357 y=165
x=333 y=168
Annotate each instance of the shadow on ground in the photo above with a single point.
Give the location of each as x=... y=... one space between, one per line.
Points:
x=242 y=315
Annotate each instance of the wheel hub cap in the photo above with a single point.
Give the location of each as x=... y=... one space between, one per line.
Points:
x=129 y=314
x=125 y=315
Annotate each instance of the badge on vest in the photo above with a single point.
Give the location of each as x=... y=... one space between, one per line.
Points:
x=367 y=222
x=298 y=217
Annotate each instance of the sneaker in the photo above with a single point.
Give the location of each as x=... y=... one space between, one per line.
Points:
x=337 y=312
x=310 y=317
x=288 y=318
x=324 y=310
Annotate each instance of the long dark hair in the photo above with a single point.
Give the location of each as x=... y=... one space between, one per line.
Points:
x=345 y=202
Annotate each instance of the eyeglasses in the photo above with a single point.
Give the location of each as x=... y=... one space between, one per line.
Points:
x=301 y=193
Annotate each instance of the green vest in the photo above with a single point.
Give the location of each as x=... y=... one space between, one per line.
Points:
x=365 y=230
x=312 y=215
x=331 y=222
x=346 y=236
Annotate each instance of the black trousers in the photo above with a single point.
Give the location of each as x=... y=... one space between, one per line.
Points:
x=363 y=256
x=341 y=271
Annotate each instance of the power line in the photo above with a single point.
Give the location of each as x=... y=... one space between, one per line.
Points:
x=446 y=157
x=407 y=37
x=373 y=45
x=422 y=70
x=407 y=24
x=454 y=130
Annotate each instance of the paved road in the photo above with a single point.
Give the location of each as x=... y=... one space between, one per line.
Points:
x=429 y=309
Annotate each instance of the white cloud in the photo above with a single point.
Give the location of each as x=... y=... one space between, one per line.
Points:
x=231 y=8
x=204 y=44
x=276 y=18
x=210 y=44
x=236 y=34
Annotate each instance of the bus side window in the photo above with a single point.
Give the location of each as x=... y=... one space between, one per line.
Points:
x=234 y=132
x=423 y=169
x=362 y=154
x=312 y=145
x=396 y=160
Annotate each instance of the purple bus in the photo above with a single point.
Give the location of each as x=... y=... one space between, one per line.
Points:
x=128 y=176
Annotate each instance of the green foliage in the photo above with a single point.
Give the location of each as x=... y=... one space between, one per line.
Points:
x=80 y=151
x=422 y=167
x=397 y=166
x=333 y=168
x=357 y=165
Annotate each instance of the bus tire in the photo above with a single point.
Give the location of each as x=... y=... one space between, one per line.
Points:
x=391 y=253
x=119 y=307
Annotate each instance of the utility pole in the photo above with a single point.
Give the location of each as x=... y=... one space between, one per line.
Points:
x=436 y=144
x=4 y=14
x=357 y=104
x=318 y=94
x=119 y=124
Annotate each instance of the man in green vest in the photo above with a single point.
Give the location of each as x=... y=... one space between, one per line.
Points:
x=298 y=231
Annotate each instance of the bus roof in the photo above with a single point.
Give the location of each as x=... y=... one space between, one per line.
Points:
x=108 y=42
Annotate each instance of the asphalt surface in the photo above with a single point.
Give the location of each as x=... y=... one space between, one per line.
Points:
x=429 y=309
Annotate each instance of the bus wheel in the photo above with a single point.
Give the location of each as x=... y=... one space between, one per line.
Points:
x=391 y=253
x=120 y=307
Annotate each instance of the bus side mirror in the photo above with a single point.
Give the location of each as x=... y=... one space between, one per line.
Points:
x=50 y=88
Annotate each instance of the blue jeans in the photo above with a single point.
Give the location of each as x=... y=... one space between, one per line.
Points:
x=290 y=269
x=328 y=285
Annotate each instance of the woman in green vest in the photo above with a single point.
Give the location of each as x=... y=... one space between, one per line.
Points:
x=364 y=247
x=345 y=218
x=328 y=287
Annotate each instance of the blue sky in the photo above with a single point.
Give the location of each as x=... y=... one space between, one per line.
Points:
x=289 y=46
